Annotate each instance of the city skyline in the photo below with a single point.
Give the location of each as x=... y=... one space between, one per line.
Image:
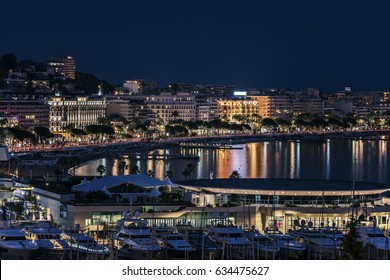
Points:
x=260 y=45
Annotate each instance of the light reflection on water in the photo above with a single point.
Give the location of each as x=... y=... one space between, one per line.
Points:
x=328 y=159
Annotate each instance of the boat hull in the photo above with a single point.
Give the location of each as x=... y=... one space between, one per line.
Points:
x=52 y=254
x=131 y=254
x=17 y=254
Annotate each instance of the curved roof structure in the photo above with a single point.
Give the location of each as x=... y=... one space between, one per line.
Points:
x=284 y=187
x=108 y=182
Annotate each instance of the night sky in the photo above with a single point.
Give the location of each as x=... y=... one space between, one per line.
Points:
x=261 y=44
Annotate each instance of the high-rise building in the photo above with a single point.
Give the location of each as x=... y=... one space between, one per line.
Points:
x=62 y=66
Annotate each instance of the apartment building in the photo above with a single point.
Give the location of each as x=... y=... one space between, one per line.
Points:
x=27 y=114
x=170 y=107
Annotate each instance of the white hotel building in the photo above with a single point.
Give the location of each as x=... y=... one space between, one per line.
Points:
x=166 y=104
x=79 y=111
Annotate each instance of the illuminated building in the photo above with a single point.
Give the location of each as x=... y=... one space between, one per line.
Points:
x=313 y=106
x=272 y=106
x=130 y=107
x=228 y=108
x=26 y=113
x=171 y=107
x=78 y=112
x=62 y=66
x=207 y=110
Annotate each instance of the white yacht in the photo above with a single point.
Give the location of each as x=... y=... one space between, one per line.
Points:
x=48 y=239
x=233 y=243
x=376 y=243
x=14 y=246
x=288 y=246
x=134 y=239
x=172 y=243
x=320 y=245
x=263 y=246
x=83 y=246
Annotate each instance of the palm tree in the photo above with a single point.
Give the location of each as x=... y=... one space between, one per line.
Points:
x=191 y=167
x=235 y=175
x=168 y=174
x=58 y=172
x=74 y=161
x=186 y=173
x=122 y=166
x=351 y=248
x=175 y=115
x=135 y=169
x=101 y=169
x=61 y=162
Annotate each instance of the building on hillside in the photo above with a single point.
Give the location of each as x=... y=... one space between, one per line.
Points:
x=206 y=90
x=137 y=87
x=62 y=66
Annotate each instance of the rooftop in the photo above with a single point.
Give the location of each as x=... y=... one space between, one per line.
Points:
x=284 y=187
x=107 y=182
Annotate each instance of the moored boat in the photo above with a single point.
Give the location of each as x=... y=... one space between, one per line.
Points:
x=134 y=239
x=48 y=239
x=14 y=246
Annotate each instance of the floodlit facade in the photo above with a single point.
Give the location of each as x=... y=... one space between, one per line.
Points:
x=79 y=111
x=166 y=104
x=228 y=108
x=272 y=106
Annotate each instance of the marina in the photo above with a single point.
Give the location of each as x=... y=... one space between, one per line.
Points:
x=133 y=238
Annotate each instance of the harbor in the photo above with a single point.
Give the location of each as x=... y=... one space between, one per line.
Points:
x=133 y=238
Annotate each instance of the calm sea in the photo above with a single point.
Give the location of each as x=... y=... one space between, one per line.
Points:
x=336 y=159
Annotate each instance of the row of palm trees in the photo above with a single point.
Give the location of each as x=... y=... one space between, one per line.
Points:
x=117 y=127
x=189 y=169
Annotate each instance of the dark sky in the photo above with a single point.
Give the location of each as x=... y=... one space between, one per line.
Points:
x=292 y=43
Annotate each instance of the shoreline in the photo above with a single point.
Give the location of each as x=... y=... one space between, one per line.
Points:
x=89 y=153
